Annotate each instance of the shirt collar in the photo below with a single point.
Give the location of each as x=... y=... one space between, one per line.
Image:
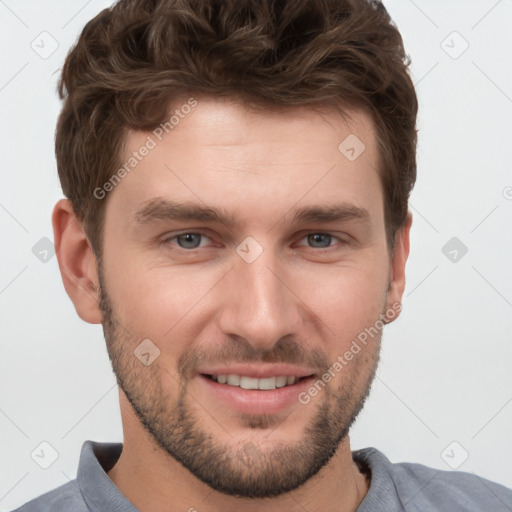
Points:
x=382 y=494
x=98 y=490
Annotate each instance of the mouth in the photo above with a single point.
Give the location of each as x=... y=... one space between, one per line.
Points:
x=255 y=383
x=252 y=395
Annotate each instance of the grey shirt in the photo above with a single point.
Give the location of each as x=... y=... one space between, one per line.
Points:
x=394 y=487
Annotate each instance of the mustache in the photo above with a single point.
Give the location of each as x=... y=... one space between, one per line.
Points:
x=286 y=350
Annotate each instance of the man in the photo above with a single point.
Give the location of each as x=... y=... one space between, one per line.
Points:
x=237 y=175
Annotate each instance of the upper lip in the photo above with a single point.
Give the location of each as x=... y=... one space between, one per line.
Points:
x=258 y=371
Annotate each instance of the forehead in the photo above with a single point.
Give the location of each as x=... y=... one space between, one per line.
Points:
x=264 y=160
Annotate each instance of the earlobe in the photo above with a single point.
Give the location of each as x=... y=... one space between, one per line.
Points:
x=397 y=269
x=77 y=262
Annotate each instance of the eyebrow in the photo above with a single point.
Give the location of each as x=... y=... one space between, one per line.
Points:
x=161 y=209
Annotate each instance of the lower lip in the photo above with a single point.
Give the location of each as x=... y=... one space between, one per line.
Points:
x=253 y=401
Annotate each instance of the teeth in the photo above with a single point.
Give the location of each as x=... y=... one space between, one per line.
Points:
x=244 y=382
x=281 y=381
x=234 y=380
x=248 y=383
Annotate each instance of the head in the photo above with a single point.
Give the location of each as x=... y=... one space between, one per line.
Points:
x=288 y=129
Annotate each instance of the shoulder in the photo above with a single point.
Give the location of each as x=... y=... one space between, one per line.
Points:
x=451 y=490
x=419 y=487
x=65 y=498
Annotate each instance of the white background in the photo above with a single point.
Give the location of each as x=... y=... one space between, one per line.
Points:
x=445 y=373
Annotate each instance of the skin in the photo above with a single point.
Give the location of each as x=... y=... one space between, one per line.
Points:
x=294 y=303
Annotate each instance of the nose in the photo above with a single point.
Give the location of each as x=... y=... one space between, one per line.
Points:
x=260 y=302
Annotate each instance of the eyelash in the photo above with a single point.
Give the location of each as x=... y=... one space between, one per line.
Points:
x=168 y=240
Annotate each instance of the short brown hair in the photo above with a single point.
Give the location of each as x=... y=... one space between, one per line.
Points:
x=141 y=54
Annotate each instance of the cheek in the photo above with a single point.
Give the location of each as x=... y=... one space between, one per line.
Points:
x=347 y=299
x=156 y=302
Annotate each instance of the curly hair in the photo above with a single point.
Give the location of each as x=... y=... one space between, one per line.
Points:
x=138 y=55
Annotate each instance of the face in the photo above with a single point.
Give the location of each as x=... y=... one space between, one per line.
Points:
x=279 y=272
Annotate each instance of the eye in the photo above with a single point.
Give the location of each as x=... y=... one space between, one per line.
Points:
x=186 y=240
x=192 y=240
x=322 y=239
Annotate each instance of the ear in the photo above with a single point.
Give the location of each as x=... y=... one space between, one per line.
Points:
x=398 y=260
x=77 y=262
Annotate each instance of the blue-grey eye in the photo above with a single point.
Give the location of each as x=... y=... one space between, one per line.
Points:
x=320 y=237
x=189 y=241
